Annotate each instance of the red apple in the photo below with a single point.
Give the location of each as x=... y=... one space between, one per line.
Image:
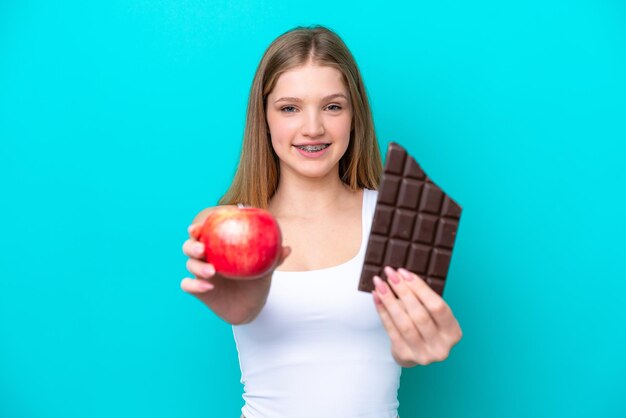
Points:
x=241 y=243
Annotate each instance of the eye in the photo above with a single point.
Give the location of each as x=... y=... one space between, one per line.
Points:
x=334 y=107
x=288 y=109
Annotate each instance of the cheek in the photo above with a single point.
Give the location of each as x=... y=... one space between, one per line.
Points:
x=342 y=127
x=280 y=130
x=280 y=138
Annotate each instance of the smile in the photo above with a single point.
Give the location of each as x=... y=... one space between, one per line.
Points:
x=312 y=148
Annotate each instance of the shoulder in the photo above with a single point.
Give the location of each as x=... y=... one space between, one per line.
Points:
x=202 y=215
x=369 y=197
x=370 y=193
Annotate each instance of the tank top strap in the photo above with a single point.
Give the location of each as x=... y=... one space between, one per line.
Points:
x=369 y=207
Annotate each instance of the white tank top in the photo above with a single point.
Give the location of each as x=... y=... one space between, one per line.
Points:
x=318 y=348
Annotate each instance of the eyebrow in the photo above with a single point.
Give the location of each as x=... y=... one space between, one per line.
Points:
x=298 y=100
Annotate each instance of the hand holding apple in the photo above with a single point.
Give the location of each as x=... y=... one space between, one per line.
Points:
x=241 y=243
x=215 y=290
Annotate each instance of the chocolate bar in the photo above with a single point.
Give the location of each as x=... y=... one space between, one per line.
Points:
x=414 y=226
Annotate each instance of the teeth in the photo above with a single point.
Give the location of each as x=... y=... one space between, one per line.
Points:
x=313 y=148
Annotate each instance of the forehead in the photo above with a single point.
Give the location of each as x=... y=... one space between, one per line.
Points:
x=310 y=80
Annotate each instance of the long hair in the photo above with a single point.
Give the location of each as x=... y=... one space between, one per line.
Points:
x=256 y=179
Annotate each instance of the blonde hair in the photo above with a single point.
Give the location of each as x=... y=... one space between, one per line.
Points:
x=256 y=179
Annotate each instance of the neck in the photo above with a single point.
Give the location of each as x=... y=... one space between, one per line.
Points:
x=301 y=195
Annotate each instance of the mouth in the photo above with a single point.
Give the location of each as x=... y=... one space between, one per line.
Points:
x=312 y=148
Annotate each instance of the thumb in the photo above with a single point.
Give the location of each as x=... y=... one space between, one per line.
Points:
x=284 y=254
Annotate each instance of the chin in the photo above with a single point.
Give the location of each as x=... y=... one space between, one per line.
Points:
x=315 y=172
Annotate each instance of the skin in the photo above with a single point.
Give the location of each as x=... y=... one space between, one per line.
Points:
x=310 y=105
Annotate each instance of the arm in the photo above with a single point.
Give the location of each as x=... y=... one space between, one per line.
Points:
x=235 y=301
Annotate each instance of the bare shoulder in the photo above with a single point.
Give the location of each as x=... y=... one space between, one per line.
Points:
x=202 y=215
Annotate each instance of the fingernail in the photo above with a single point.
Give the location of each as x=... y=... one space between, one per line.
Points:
x=406 y=275
x=199 y=249
x=209 y=271
x=380 y=286
x=392 y=275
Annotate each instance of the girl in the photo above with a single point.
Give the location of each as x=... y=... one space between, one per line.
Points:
x=309 y=343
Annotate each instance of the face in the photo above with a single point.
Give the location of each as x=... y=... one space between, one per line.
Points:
x=309 y=117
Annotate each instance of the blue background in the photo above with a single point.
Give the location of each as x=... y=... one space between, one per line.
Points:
x=120 y=120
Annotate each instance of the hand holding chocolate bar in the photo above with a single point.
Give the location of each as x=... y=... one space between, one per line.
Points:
x=414 y=228
x=420 y=324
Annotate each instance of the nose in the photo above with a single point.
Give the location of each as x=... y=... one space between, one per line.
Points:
x=313 y=125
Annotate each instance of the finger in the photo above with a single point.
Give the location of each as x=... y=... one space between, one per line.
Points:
x=414 y=308
x=195 y=285
x=194 y=230
x=385 y=318
x=200 y=269
x=436 y=306
x=401 y=349
x=193 y=248
x=398 y=315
